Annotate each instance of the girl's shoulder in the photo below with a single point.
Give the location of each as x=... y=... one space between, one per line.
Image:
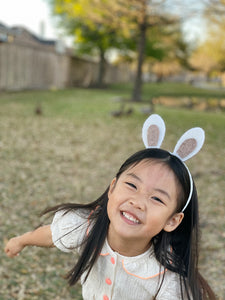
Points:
x=172 y=287
x=71 y=216
x=69 y=228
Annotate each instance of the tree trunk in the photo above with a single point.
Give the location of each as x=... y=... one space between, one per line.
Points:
x=137 y=90
x=101 y=70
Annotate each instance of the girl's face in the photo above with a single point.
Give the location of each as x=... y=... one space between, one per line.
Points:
x=141 y=203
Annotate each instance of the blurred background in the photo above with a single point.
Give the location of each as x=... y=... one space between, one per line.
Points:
x=77 y=80
x=94 y=43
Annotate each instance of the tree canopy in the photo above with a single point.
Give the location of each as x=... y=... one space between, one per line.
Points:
x=145 y=28
x=209 y=56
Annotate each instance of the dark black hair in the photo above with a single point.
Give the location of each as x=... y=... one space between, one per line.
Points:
x=176 y=251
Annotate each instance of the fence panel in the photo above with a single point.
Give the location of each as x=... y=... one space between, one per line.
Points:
x=26 y=66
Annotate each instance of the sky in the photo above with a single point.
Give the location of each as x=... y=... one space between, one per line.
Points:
x=30 y=14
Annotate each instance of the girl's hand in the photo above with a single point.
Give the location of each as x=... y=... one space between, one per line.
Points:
x=14 y=247
x=41 y=237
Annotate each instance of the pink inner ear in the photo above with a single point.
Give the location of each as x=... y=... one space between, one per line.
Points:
x=186 y=147
x=153 y=135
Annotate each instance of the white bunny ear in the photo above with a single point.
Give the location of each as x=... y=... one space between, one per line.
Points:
x=153 y=131
x=190 y=143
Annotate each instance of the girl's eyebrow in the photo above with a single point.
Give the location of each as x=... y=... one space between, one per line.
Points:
x=156 y=189
x=134 y=176
x=163 y=192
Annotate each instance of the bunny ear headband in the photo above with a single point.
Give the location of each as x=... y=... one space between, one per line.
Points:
x=188 y=145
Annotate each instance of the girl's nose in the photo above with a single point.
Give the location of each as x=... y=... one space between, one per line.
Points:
x=137 y=203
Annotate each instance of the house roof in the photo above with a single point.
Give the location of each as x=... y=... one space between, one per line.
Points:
x=22 y=32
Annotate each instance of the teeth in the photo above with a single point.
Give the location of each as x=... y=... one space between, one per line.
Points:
x=130 y=218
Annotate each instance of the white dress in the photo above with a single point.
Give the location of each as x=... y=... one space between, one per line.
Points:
x=114 y=276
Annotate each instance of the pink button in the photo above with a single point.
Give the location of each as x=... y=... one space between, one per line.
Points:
x=108 y=281
x=105 y=297
x=112 y=260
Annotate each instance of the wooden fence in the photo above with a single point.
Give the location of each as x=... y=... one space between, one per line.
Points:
x=25 y=66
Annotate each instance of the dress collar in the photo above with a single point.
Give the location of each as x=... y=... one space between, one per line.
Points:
x=143 y=266
x=106 y=248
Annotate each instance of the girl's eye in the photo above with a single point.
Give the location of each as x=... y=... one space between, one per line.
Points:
x=157 y=199
x=131 y=185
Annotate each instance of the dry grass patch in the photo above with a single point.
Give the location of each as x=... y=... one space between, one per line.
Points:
x=71 y=155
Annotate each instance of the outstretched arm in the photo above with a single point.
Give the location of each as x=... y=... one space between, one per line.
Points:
x=41 y=237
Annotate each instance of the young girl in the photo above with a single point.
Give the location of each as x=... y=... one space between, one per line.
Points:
x=139 y=239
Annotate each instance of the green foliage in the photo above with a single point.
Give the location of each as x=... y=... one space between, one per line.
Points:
x=90 y=36
x=209 y=54
x=98 y=25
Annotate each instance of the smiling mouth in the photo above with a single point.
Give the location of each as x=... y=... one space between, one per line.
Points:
x=130 y=217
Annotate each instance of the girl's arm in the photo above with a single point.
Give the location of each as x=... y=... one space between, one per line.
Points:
x=41 y=237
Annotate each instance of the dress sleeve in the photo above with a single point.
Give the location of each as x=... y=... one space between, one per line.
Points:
x=68 y=230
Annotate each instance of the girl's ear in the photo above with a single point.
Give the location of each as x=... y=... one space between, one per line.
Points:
x=112 y=185
x=174 y=222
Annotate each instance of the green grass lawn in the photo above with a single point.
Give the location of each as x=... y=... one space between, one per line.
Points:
x=172 y=89
x=71 y=152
